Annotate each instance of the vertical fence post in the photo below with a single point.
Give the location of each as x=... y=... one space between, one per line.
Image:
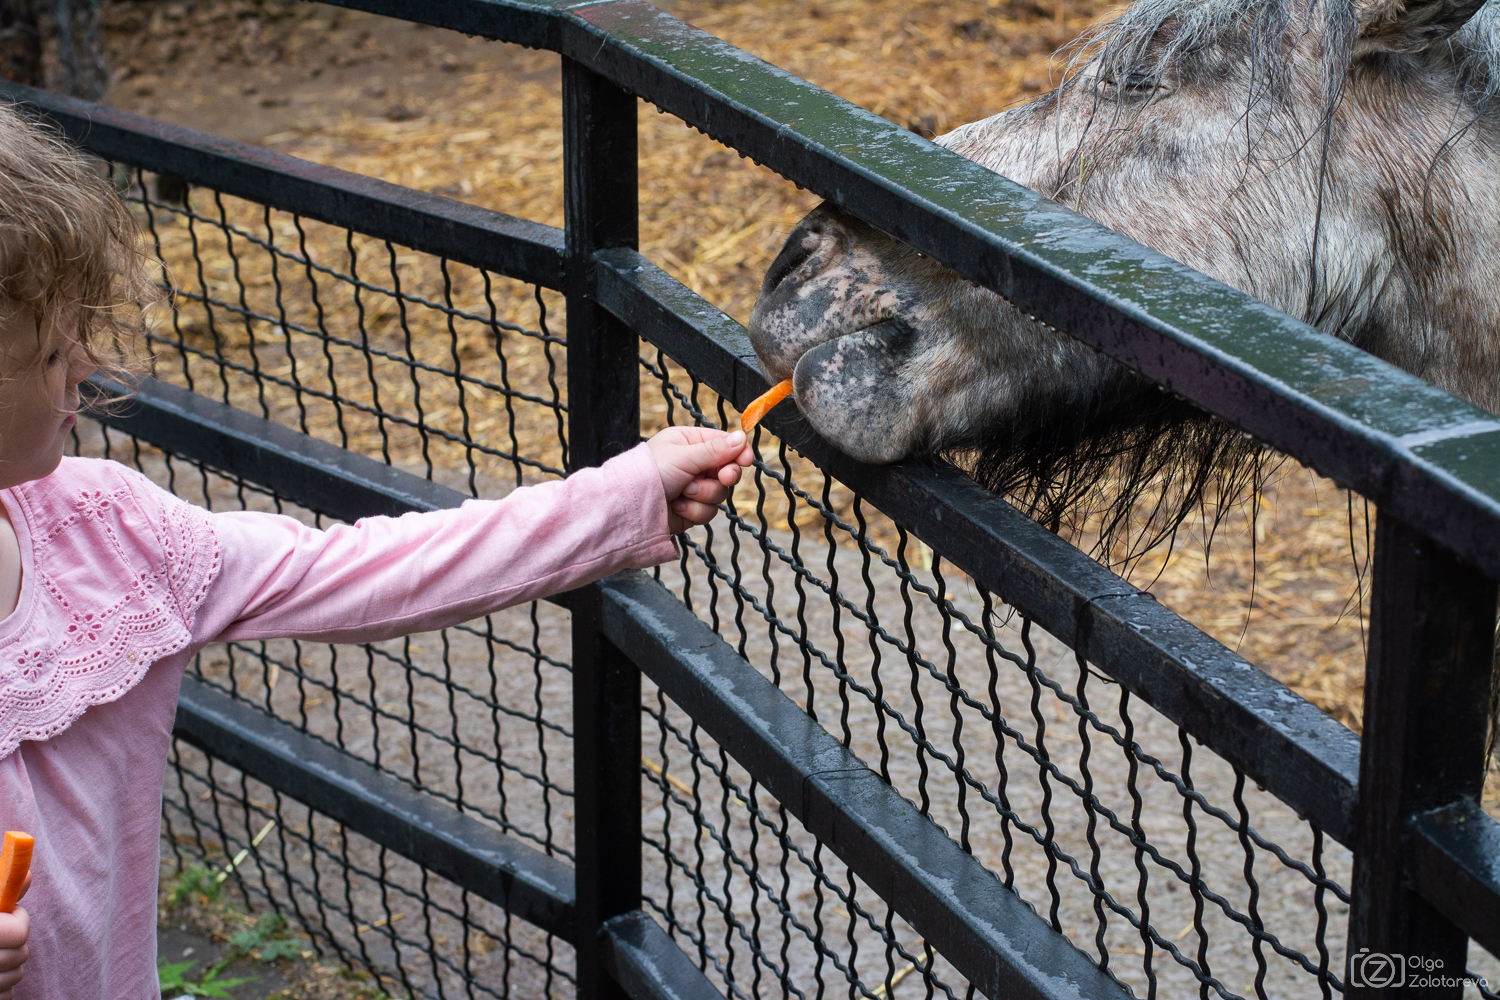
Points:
x=599 y=160
x=1427 y=687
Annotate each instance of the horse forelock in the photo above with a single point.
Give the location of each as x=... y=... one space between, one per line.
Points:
x=1475 y=51
x=1153 y=36
x=1271 y=39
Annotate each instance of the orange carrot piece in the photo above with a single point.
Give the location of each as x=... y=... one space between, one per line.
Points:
x=762 y=404
x=15 y=862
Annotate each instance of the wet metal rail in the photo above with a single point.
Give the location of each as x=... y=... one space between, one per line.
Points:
x=1404 y=800
x=953 y=898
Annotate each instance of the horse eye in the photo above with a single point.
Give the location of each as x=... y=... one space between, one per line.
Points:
x=1135 y=84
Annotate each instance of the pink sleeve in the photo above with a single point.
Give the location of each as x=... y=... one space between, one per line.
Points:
x=383 y=577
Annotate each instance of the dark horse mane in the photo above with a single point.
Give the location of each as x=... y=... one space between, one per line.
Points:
x=1126 y=472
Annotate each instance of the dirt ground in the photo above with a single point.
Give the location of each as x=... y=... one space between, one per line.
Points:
x=200 y=924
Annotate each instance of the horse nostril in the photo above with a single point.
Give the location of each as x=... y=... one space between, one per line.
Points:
x=798 y=248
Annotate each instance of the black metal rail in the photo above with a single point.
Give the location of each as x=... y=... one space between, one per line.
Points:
x=1452 y=856
x=521 y=879
x=1247 y=717
x=1425 y=855
x=600 y=211
x=994 y=938
x=431 y=223
x=648 y=965
x=1420 y=454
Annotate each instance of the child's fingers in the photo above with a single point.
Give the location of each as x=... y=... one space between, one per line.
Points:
x=15 y=928
x=729 y=475
x=681 y=460
x=709 y=491
x=693 y=512
x=745 y=456
x=709 y=452
x=685 y=434
x=717 y=451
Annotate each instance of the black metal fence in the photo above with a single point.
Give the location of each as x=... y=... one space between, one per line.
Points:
x=876 y=732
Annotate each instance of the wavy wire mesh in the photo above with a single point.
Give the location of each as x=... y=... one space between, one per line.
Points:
x=451 y=373
x=393 y=353
x=1149 y=852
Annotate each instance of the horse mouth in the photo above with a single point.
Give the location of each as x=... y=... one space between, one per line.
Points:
x=895 y=333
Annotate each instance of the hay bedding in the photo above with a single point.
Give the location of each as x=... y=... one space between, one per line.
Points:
x=480 y=122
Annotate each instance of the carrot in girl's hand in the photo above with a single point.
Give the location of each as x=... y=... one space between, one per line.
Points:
x=763 y=403
x=15 y=862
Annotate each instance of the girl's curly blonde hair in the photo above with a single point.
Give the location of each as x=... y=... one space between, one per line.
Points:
x=70 y=251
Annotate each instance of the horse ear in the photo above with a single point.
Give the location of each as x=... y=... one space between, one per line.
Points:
x=1394 y=26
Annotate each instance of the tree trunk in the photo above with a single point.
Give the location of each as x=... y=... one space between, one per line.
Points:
x=80 y=48
x=20 y=42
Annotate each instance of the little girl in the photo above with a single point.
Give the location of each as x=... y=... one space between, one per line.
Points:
x=109 y=585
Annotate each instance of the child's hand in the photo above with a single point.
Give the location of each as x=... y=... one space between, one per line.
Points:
x=15 y=928
x=699 y=467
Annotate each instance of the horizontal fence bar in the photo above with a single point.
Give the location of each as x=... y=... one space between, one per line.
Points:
x=647 y=963
x=332 y=481
x=320 y=476
x=427 y=222
x=1427 y=457
x=415 y=825
x=986 y=931
x=1279 y=739
x=1453 y=861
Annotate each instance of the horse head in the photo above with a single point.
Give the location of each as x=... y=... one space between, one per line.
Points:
x=1336 y=159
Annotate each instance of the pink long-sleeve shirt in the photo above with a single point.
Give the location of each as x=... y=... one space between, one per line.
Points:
x=123 y=583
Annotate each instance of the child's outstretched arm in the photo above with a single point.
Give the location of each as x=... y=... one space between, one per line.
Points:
x=389 y=576
x=699 y=467
x=15 y=928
